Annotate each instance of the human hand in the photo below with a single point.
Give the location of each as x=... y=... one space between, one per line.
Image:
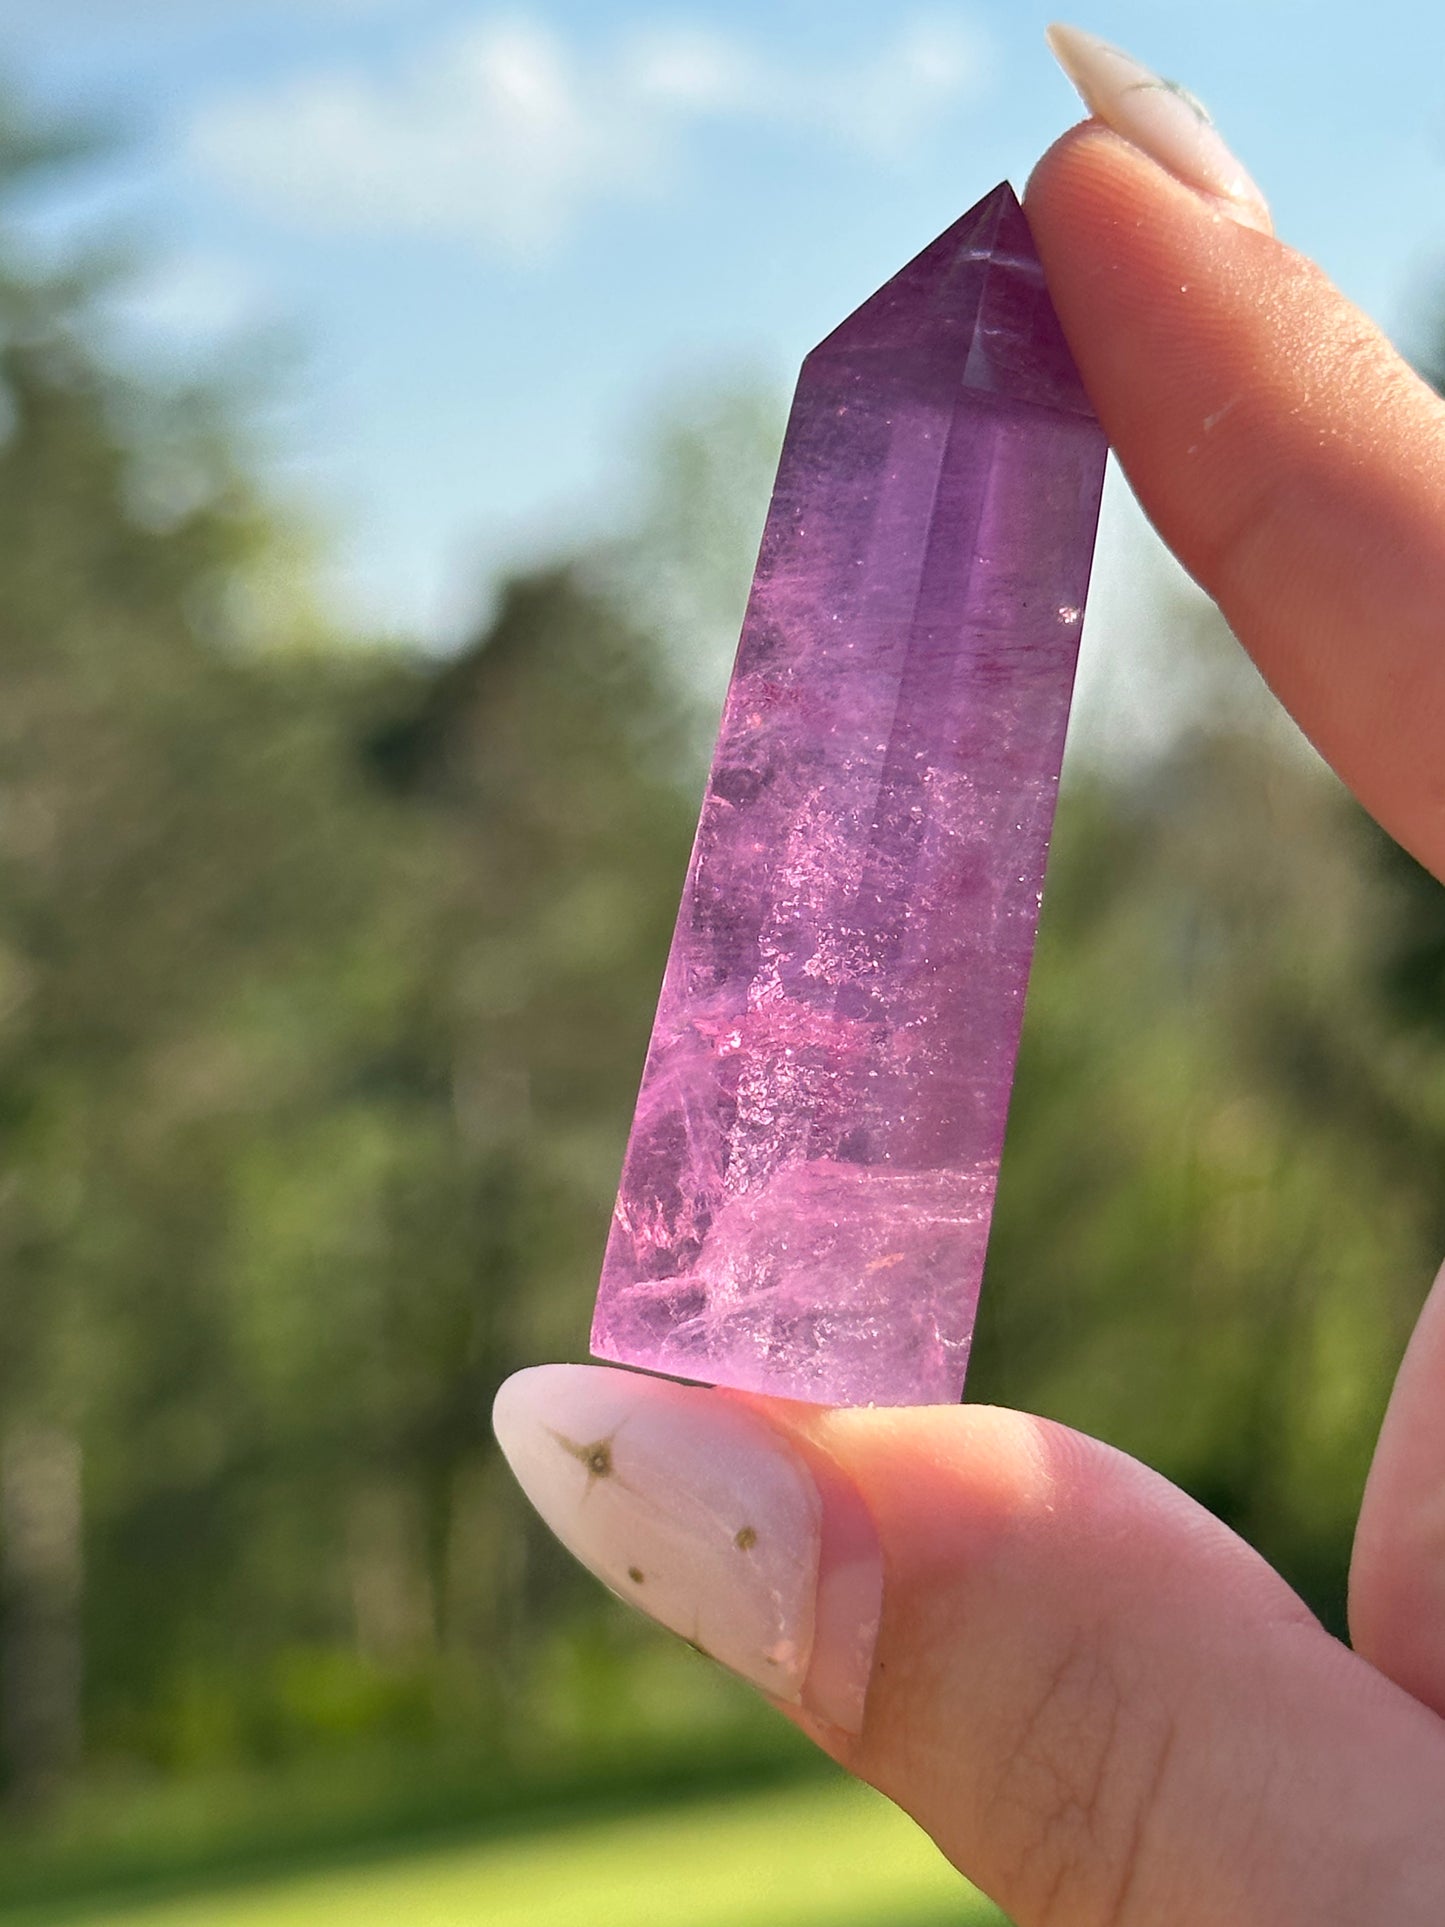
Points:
x=1104 y=1707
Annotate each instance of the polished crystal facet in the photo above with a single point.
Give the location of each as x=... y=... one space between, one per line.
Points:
x=806 y=1197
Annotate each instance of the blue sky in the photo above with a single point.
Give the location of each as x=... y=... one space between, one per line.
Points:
x=501 y=234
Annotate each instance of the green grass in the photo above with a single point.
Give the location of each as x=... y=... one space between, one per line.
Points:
x=820 y=1856
x=148 y=1840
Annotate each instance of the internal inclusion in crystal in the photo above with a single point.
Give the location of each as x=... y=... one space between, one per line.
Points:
x=805 y=1202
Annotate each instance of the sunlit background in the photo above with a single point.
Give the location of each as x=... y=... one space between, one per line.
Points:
x=388 y=396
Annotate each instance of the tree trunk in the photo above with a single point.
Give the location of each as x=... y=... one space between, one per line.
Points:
x=40 y=1581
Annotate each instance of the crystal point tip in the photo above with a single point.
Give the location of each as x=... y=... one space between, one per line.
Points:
x=972 y=307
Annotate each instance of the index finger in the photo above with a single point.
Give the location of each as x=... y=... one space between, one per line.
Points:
x=1285 y=452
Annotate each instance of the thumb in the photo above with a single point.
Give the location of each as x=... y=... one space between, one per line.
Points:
x=1103 y=1706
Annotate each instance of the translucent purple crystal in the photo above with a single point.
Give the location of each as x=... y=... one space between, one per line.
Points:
x=806 y=1198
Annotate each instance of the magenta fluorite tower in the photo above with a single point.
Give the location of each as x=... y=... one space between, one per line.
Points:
x=807 y=1192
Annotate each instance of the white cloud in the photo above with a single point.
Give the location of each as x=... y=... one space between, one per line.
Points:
x=695 y=70
x=929 y=66
x=507 y=132
x=165 y=17
x=187 y=300
x=195 y=293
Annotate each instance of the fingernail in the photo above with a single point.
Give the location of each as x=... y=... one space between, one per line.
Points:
x=1159 y=117
x=692 y=1507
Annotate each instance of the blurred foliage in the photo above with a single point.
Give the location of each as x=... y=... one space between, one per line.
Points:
x=325 y=977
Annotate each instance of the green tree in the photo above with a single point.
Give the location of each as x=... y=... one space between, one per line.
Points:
x=323 y=979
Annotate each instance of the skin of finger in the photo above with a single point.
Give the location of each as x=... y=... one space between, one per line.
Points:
x=1105 y=1708
x=1397 y=1576
x=1282 y=448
